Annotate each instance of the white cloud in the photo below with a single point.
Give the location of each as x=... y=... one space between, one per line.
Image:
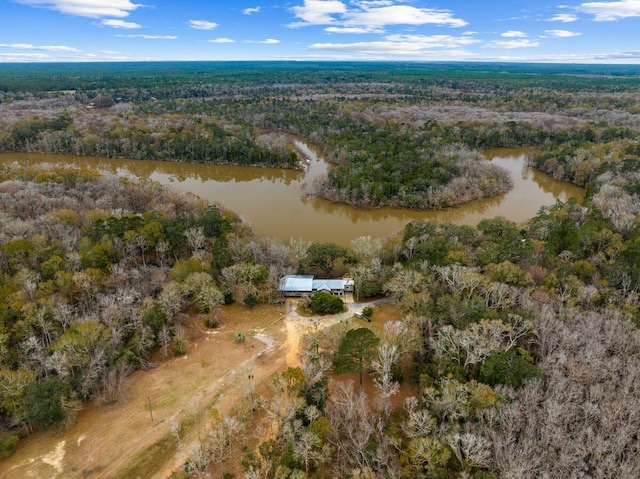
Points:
x=202 y=25
x=390 y=49
x=510 y=44
x=87 y=8
x=267 y=41
x=251 y=11
x=372 y=3
x=111 y=52
x=318 y=12
x=150 y=37
x=433 y=41
x=111 y=22
x=612 y=56
x=369 y=15
x=562 y=33
x=611 y=11
x=21 y=57
x=48 y=48
x=426 y=46
x=563 y=17
x=403 y=15
x=60 y=53
x=221 y=40
x=352 y=30
x=514 y=34
x=617 y=57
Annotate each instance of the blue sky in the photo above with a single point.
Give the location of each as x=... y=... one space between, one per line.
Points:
x=412 y=30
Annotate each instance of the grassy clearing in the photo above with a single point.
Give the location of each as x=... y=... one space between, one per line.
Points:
x=119 y=440
x=143 y=465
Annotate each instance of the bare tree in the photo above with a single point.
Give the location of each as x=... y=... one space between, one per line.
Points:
x=196 y=240
x=383 y=367
x=351 y=427
x=220 y=441
x=419 y=422
x=580 y=422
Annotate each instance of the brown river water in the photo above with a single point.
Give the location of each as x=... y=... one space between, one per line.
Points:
x=273 y=201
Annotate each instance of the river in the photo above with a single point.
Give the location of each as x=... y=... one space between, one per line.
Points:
x=273 y=201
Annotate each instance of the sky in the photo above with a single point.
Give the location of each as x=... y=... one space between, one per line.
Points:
x=332 y=30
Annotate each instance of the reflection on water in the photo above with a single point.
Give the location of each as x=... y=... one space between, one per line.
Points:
x=273 y=200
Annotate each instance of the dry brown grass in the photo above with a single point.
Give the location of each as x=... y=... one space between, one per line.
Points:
x=121 y=441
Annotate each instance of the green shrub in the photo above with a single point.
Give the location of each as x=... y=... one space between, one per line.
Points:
x=43 y=401
x=155 y=317
x=369 y=288
x=510 y=368
x=8 y=442
x=211 y=323
x=180 y=347
x=326 y=303
x=228 y=297
x=183 y=269
x=251 y=300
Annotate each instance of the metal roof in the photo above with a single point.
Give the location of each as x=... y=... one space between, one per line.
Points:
x=327 y=284
x=296 y=283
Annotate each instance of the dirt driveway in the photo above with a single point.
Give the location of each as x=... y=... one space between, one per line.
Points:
x=122 y=440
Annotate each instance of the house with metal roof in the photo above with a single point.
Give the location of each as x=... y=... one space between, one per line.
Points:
x=296 y=285
x=305 y=285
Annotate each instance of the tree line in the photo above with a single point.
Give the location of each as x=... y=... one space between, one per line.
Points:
x=193 y=140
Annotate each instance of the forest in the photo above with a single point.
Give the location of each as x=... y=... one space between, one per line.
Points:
x=520 y=341
x=403 y=135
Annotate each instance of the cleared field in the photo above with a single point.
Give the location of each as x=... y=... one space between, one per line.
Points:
x=122 y=441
